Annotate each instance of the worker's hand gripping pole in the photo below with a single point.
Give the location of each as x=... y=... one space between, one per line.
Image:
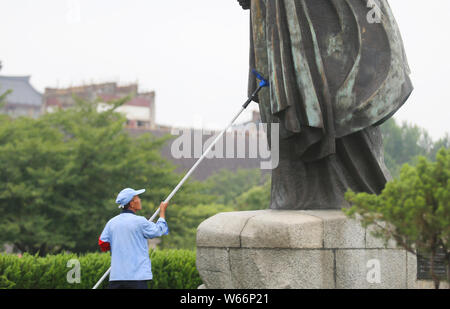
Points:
x=263 y=83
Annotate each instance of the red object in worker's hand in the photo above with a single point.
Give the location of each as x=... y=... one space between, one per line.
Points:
x=104 y=246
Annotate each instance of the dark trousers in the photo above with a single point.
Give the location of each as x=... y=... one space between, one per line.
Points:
x=132 y=284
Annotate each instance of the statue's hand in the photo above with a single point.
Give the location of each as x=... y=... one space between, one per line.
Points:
x=245 y=4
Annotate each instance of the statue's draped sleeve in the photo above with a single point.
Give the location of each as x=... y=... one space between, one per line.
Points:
x=333 y=70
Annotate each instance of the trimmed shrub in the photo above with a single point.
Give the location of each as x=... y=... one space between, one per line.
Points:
x=172 y=269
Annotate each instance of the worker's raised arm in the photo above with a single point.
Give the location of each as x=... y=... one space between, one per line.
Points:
x=158 y=229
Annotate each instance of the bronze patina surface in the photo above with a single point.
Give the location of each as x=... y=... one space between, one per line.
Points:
x=335 y=76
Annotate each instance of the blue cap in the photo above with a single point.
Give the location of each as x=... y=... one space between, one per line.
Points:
x=126 y=195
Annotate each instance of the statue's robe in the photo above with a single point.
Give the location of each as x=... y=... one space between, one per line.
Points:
x=334 y=78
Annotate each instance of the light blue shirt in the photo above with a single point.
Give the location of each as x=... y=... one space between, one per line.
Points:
x=127 y=234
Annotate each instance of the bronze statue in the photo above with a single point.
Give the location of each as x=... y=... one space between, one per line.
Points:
x=337 y=72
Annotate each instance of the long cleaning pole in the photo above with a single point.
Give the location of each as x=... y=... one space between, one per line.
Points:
x=262 y=84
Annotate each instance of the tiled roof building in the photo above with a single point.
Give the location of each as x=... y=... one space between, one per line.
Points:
x=24 y=100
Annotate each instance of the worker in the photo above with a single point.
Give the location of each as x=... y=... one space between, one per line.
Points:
x=126 y=236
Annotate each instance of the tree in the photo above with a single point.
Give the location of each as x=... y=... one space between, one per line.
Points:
x=403 y=144
x=442 y=142
x=258 y=197
x=184 y=221
x=413 y=210
x=60 y=174
x=406 y=142
x=228 y=185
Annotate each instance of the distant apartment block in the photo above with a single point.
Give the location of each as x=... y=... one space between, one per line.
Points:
x=139 y=111
x=24 y=100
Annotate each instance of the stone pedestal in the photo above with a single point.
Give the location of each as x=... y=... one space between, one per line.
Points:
x=297 y=249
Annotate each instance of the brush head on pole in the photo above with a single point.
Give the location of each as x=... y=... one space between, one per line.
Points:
x=263 y=82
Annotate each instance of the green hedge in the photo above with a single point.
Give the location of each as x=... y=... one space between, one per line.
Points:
x=172 y=269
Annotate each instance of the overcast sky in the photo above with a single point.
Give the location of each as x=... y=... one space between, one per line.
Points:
x=194 y=53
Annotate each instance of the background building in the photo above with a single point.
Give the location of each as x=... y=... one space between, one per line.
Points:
x=139 y=111
x=24 y=100
x=210 y=166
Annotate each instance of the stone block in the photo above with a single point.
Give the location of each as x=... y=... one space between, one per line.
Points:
x=214 y=267
x=338 y=230
x=373 y=242
x=281 y=268
x=411 y=271
x=371 y=269
x=282 y=229
x=223 y=229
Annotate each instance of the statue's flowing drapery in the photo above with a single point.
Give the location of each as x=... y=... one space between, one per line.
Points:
x=334 y=78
